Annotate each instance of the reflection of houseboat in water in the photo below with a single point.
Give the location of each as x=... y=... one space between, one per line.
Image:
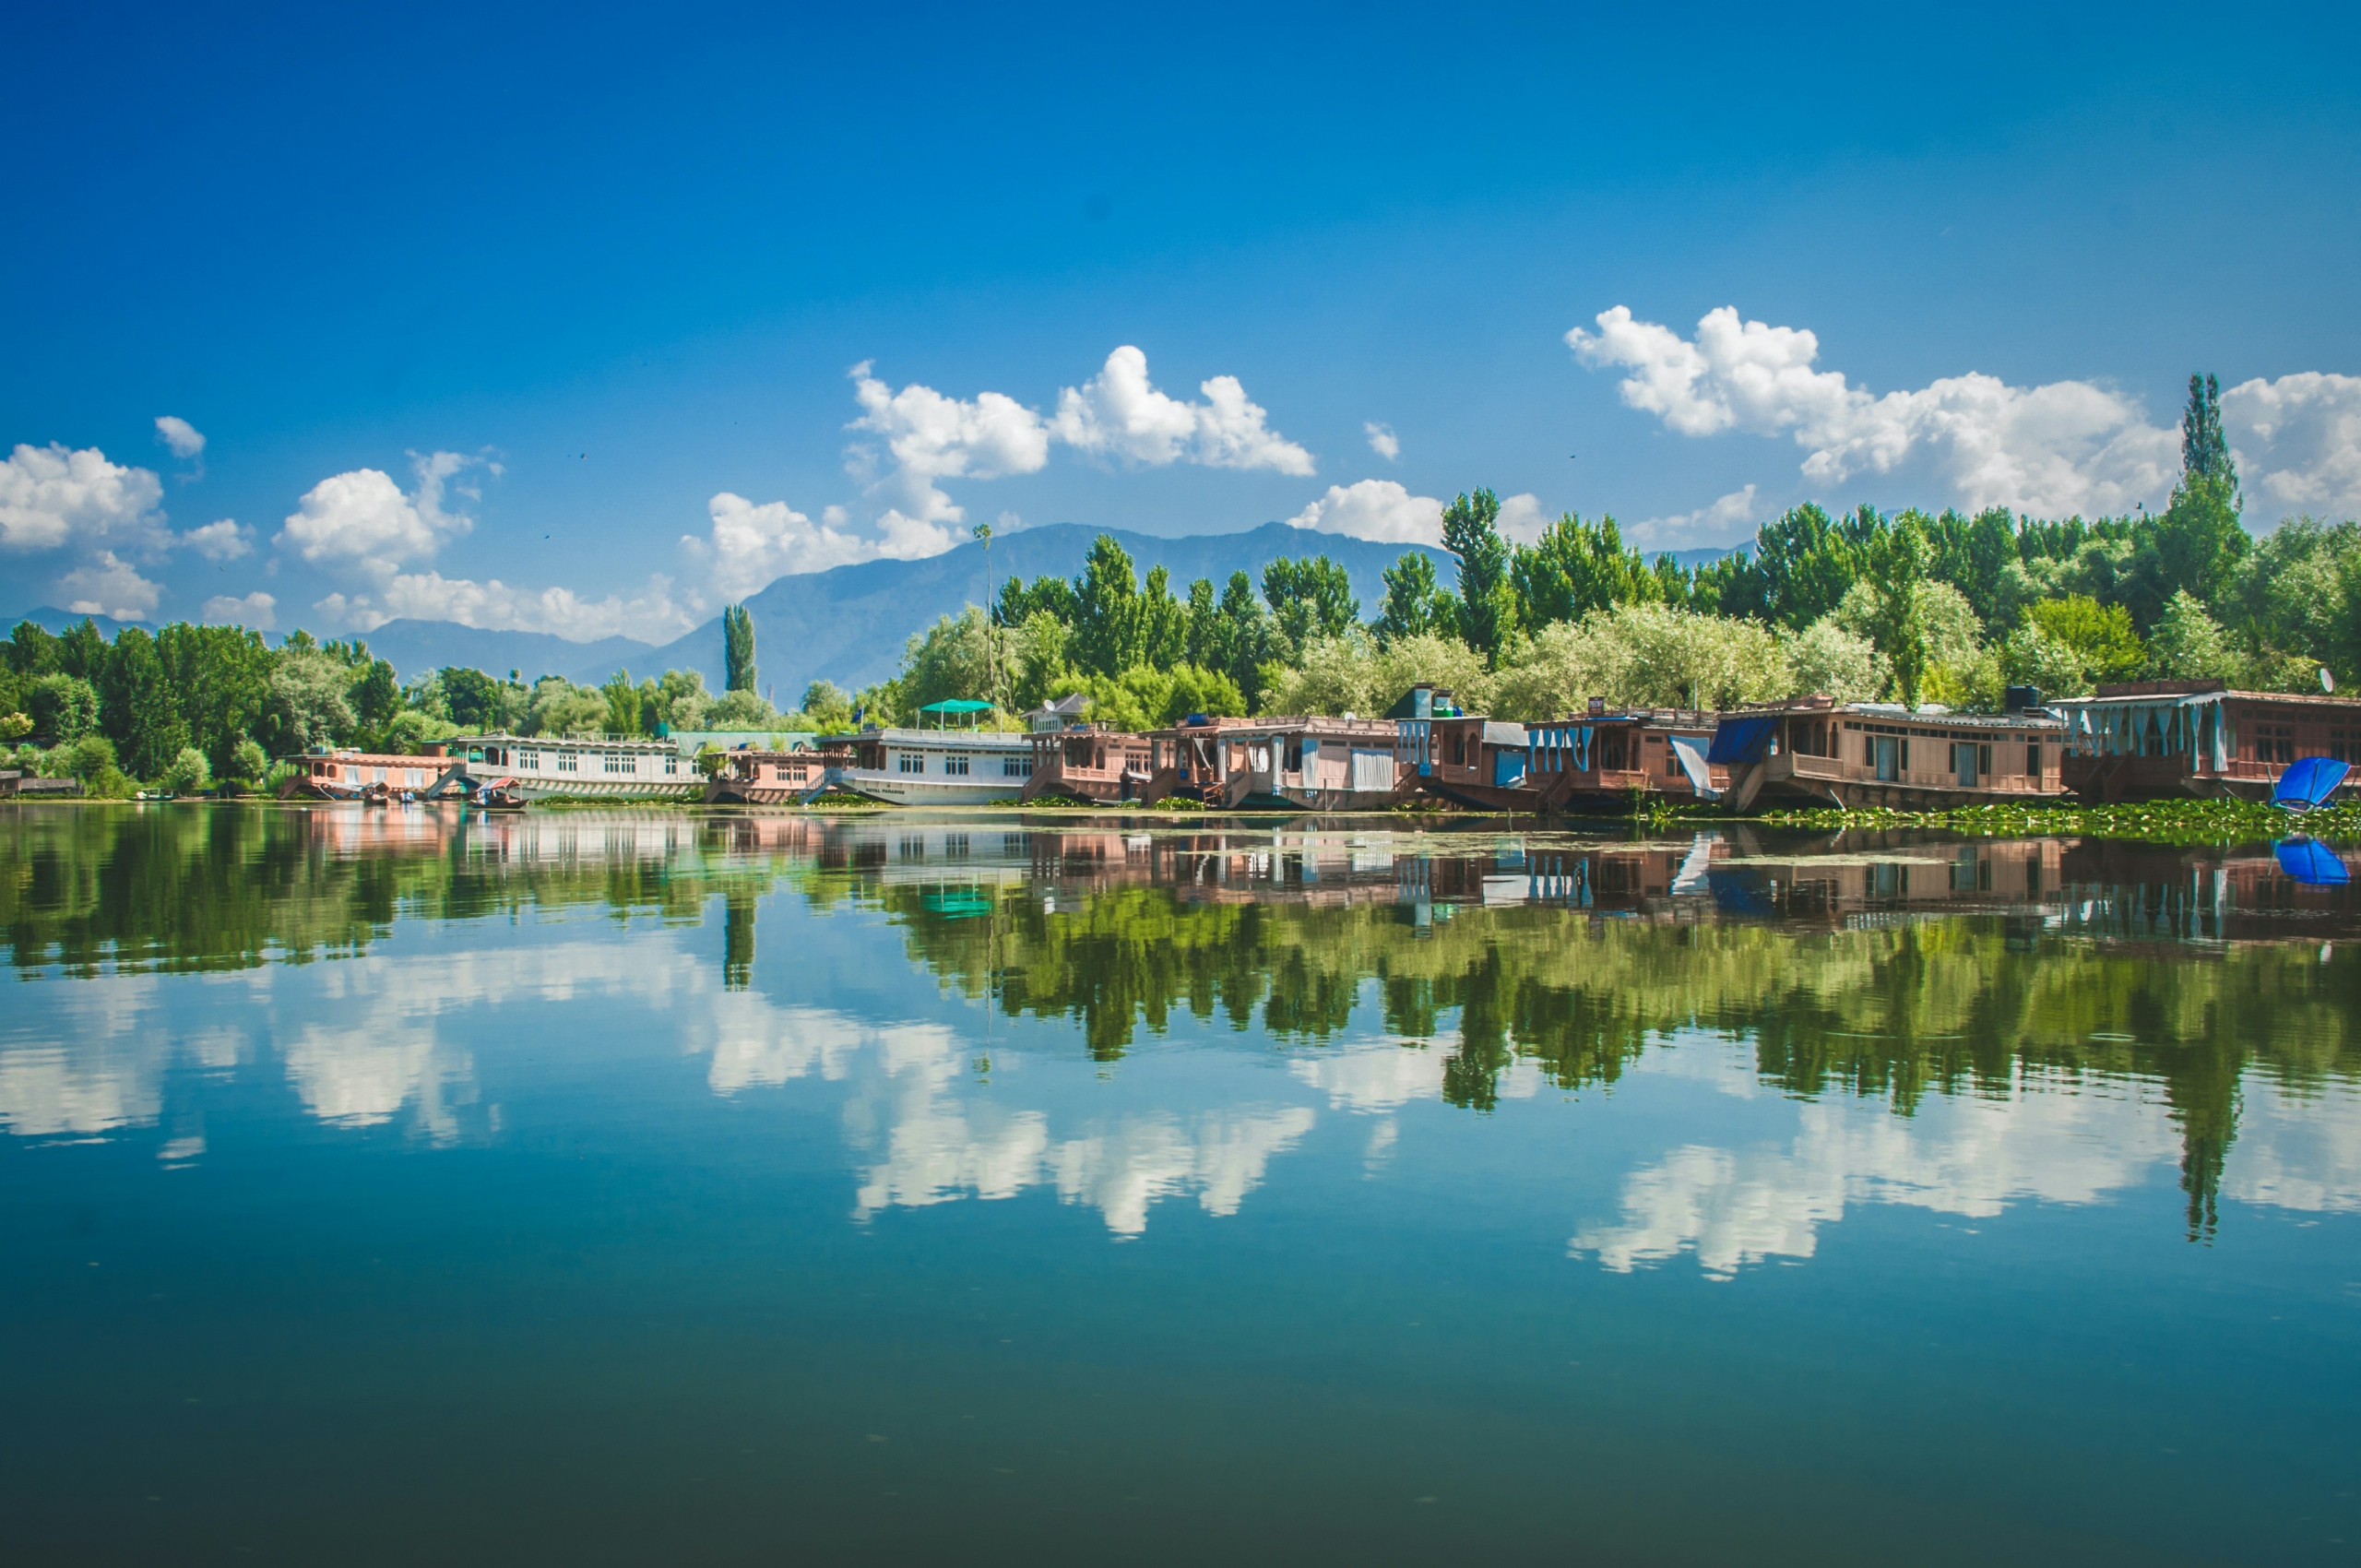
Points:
x=1815 y=751
x=2170 y=739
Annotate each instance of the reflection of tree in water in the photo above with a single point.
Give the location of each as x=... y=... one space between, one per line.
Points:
x=185 y=889
x=738 y=939
x=1969 y=1005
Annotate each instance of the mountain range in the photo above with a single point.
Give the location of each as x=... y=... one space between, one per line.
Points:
x=848 y=625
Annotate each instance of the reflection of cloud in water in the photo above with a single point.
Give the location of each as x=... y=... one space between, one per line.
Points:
x=2297 y=1152
x=1955 y=1155
x=1385 y=1077
x=938 y=1146
x=107 y=1072
x=754 y=1042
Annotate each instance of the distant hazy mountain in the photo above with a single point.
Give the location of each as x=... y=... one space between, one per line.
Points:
x=49 y=618
x=848 y=625
x=413 y=647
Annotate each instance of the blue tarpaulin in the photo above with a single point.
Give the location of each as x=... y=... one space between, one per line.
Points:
x=1741 y=740
x=2312 y=862
x=2308 y=781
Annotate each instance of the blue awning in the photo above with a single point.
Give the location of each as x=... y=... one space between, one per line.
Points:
x=1741 y=740
x=2312 y=862
x=2308 y=781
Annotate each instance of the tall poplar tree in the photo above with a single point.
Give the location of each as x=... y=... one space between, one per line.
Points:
x=738 y=648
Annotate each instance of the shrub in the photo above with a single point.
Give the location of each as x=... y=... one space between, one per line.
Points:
x=187 y=773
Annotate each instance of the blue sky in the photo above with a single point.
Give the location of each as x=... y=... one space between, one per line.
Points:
x=617 y=268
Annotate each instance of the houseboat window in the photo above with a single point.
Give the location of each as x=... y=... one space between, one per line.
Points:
x=956 y=766
x=672 y=763
x=909 y=762
x=2341 y=747
x=1458 y=748
x=1294 y=763
x=1015 y=767
x=2033 y=758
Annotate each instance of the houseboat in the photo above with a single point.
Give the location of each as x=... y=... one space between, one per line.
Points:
x=363 y=776
x=751 y=778
x=1090 y=762
x=1816 y=751
x=940 y=765
x=1296 y=763
x=2171 y=740
x=1567 y=765
x=617 y=766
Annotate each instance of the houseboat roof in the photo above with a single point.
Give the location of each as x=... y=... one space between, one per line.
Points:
x=600 y=742
x=2190 y=692
x=948 y=739
x=1304 y=724
x=1926 y=714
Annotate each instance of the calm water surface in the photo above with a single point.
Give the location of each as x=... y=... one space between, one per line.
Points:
x=395 y=1187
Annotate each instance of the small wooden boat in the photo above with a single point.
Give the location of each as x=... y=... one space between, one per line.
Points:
x=501 y=795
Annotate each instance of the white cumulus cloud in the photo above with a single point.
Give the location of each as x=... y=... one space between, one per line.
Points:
x=2298 y=441
x=50 y=496
x=363 y=520
x=107 y=585
x=653 y=615
x=1521 y=519
x=1382 y=441
x=183 y=438
x=1119 y=413
x=1380 y=510
x=1729 y=520
x=930 y=437
x=256 y=610
x=2053 y=450
x=752 y=544
x=223 y=540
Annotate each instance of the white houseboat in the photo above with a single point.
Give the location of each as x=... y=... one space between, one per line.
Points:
x=623 y=766
x=940 y=766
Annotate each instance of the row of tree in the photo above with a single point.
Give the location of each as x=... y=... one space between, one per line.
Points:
x=1911 y=606
x=1948 y=607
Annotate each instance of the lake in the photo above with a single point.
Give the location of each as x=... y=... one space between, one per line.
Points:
x=612 y=1186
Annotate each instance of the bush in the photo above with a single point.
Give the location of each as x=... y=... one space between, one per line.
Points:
x=188 y=772
x=249 y=762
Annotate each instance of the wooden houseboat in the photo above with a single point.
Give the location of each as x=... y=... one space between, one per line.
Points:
x=357 y=776
x=751 y=777
x=620 y=767
x=1566 y=765
x=1816 y=751
x=1296 y=763
x=1090 y=762
x=2170 y=739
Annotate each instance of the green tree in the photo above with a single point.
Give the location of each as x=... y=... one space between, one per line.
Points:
x=1898 y=561
x=2204 y=450
x=1471 y=533
x=738 y=648
x=1164 y=623
x=2189 y=645
x=1807 y=560
x=2100 y=636
x=221 y=678
x=625 y=706
x=248 y=762
x=1308 y=599
x=1576 y=567
x=63 y=707
x=474 y=700
x=829 y=708
x=307 y=706
x=375 y=694
x=82 y=651
x=1108 y=624
x=1416 y=604
x=187 y=772
x=136 y=707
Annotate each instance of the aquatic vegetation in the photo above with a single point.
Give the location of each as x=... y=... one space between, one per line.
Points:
x=2161 y=822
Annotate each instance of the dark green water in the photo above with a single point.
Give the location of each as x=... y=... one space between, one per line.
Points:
x=658 y=1188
